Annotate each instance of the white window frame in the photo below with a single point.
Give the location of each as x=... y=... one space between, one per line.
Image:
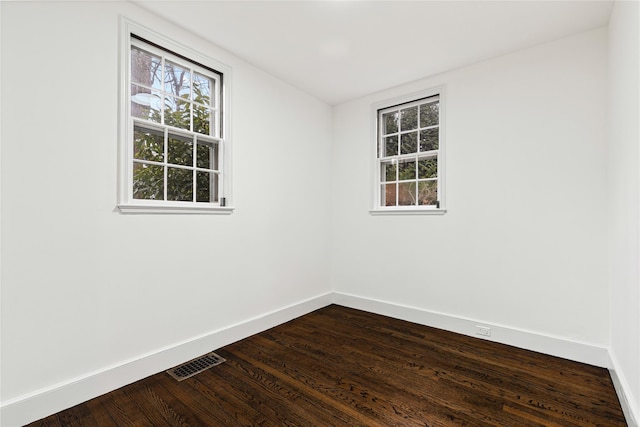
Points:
x=376 y=162
x=126 y=202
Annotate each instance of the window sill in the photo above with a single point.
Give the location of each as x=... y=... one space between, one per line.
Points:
x=132 y=208
x=407 y=211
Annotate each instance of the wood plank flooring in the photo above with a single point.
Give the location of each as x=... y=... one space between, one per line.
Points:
x=343 y=367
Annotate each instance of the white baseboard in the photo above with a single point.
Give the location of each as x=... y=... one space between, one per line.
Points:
x=41 y=403
x=629 y=406
x=579 y=352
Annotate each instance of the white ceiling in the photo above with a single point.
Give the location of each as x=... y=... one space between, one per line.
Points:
x=341 y=50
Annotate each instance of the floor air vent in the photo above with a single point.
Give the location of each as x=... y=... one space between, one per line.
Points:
x=195 y=366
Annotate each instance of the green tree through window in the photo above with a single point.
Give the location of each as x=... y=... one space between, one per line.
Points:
x=408 y=154
x=176 y=140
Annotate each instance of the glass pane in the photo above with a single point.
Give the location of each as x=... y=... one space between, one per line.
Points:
x=388 y=195
x=180 y=150
x=202 y=120
x=148 y=181
x=146 y=68
x=427 y=192
x=406 y=193
x=429 y=114
x=180 y=184
x=408 y=143
x=428 y=168
x=177 y=80
x=406 y=169
x=390 y=146
x=207 y=155
x=429 y=139
x=148 y=144
x=409 y=118
x=177 y=113
x=206 y=186
x=390 y=123
x=146 y=104
x=388 y=171
x=203 y=87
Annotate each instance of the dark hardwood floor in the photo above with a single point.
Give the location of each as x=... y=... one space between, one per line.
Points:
x=344 y=367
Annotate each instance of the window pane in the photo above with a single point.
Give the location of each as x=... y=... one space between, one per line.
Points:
x=180 y=150
x=428 y=168
x=427 y=192
x=409 y=118
x=148 y=144
x=429 y=139
x=177 y=79
x=390 y=123
x=429 y=114
x=146 y=68
x=406 y=193
x=388 y=194
x=388 y=171
x=206 y=186
x=407 y=169
x=408 y=143
x=202 y=89
x=148 y=181
x=177 y=113
x=202 y=118
x=146 y=104
x=173 y=128
x=180 y=184
x=207 y=155
x=390 y=146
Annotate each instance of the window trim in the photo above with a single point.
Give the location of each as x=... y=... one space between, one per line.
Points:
x=130 y=30
x=376 y=107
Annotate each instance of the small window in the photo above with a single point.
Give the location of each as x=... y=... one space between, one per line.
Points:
x=409 y=159
x=177 y=154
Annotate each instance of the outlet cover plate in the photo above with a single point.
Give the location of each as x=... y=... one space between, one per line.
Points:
x=483 y=330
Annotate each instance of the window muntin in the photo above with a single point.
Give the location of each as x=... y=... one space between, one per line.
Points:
x=408 y=156
x=175 y=133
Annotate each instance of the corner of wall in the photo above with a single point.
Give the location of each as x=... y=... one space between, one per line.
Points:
x=629 y=407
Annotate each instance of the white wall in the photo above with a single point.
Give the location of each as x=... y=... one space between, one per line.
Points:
x=523 y=243
x=85 y=288
x=624 y=197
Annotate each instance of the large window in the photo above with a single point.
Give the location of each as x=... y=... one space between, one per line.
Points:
x=409 y=157
x=176 y=156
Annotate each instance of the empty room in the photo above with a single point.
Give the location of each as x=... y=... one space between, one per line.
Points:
x=420 y=213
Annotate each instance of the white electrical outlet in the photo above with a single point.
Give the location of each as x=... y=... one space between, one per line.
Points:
x=483 y=330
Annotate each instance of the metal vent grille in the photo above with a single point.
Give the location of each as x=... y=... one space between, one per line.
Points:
x=195 y=366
